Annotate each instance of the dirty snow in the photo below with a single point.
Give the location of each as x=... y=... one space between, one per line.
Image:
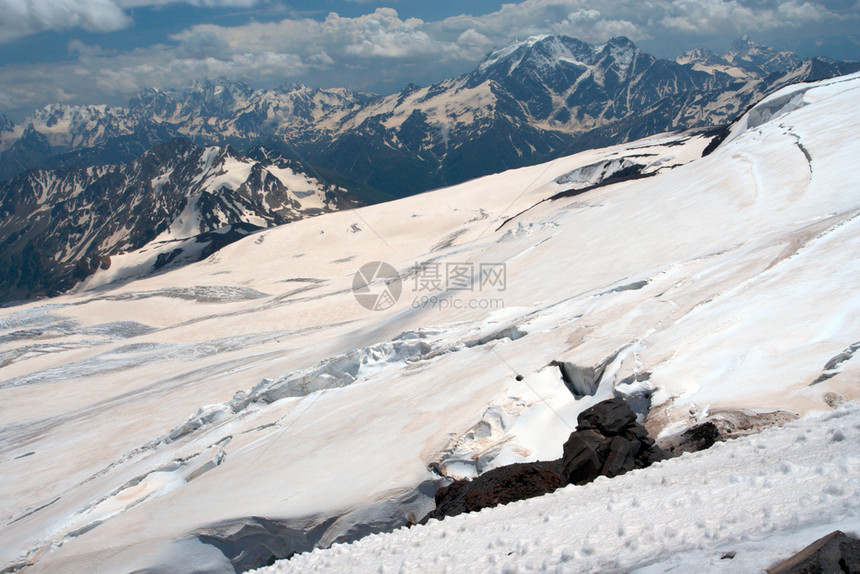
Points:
x=689 y=514
x=258 y=387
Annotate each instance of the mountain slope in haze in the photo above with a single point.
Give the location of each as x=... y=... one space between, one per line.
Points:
x=527 y=102
x=57 y=227
x=221 y=415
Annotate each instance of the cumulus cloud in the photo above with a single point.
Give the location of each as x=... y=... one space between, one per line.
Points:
x=592 y=25
x=19 y=18
x=206 y=3
x=577 y=18
x=707 y=17
x=376 y=51
x=383 y=35
x=473 y=38
x=24 y=17
x=639 y=20
x=380 y=34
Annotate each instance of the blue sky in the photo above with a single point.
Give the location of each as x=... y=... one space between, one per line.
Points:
x=104 y=51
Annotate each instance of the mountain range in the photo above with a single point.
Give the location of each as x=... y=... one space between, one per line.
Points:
x=527 y=102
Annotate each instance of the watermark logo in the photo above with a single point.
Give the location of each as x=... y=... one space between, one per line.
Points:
x=377 y=286
x=459 y=276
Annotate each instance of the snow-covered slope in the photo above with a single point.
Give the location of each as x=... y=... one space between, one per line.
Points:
x=249 y=406
x=732 y=509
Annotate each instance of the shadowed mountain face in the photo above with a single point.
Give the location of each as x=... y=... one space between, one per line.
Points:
x=529 y=101
x=58 y=227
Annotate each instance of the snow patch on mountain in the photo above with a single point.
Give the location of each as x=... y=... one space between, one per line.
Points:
x=176 y=192
x=510 y=49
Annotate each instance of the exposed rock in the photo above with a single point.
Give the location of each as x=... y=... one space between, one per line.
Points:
x=610 y=417
x=607 y=442
x=696 y=438
x=835 y=552
x=251 y=542
x=584 y=454
x=255 y=541
x=723 y=425
x=498 y=486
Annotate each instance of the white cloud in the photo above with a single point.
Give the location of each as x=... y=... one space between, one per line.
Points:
x=20 y=18
x=595 y=22
x=376 y=51
x=380 y=34
x=472 y=38
x=704 y=17
x=321 y=60
x=206 y=3
x=592 y=26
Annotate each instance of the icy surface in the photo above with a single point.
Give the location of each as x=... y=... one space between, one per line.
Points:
x=249 y=397
x=739 y=499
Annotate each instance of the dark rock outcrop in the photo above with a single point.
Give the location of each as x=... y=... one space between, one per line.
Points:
x=607 y=442
x=699 y=437
x=836 y=552
x=723 y=425
x=498 y=486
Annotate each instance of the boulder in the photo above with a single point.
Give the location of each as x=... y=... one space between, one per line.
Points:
x=609 y=417
x=621 y=457
x=607 y=442
x=836 y=552
x=584 y=455
x=498 y=486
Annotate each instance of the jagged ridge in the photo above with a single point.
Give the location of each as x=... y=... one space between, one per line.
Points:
x=529 y=101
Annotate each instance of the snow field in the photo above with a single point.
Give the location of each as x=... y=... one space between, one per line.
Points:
x=763 y=498
x=726 y=283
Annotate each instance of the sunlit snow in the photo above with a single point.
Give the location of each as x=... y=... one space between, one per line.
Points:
x=251 y=393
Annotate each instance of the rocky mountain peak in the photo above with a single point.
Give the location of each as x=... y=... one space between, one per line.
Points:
x=701 y=56
x=749 y=55
x=216 y=96
x=6 y=125
x=622 y=53
x=537 y=53
x=622 y=42
x=151 y=98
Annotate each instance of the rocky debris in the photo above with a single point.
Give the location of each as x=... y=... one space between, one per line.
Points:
x=498 y=486
x=723 y=425
x=607 y=442
x=836 y=552
x=696 y=438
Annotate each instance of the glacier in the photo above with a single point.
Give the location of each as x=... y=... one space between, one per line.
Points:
x=221 y=415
